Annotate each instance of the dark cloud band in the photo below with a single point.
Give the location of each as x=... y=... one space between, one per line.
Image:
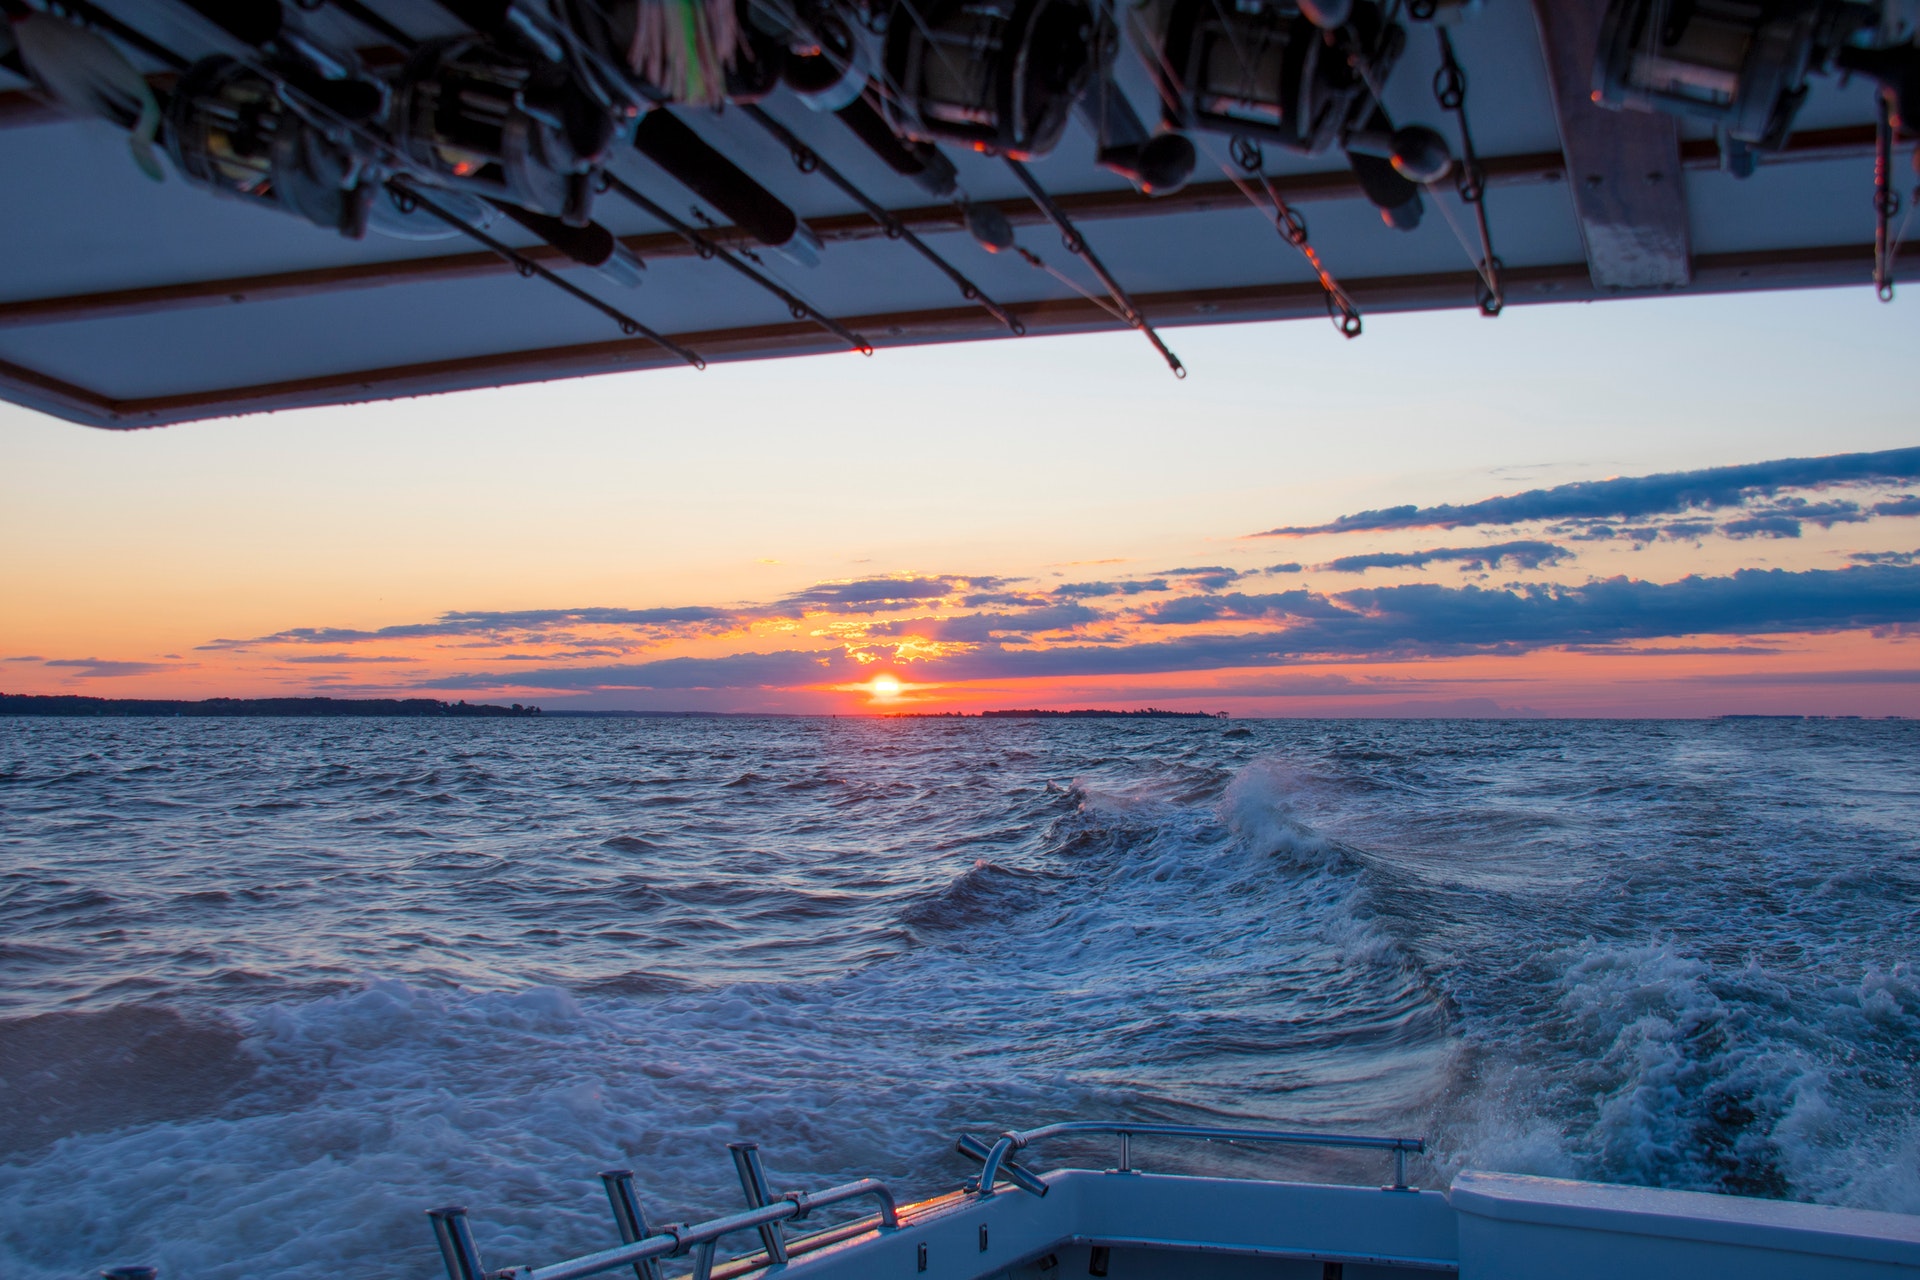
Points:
x=1420 y=620
x=1635 y=497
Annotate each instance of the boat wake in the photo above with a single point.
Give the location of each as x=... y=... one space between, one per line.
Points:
x=1362 y=927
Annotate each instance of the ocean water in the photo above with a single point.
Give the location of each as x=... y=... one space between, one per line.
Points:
x=273 y=987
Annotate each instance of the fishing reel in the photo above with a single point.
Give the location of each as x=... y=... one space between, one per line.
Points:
x=828 y=67
x=1743 y=65
x=229 y=128
x=999 y=76
x=1298 y=73
x=486 y=122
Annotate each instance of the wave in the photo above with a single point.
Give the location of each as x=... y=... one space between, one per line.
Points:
x=78 y=1072
x=985 y=891
x=1658 y=1068
x=1697 y=978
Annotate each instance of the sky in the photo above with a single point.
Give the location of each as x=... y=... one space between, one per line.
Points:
x=1678 y=506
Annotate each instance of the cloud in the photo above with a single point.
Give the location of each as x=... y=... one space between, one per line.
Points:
x=1885 y=557
x=1669 y=650
x=1427 y=620
x=1206 y=578
x=1895 y=675
x=1291 y=566
x=105 y=668
x=1907 y=504
x=1825 y=514
x=340 y=658
x=501 y=623
x=1332 y=684
x=1518 y=555
x=780 y=669
x=1784 y=518
x=990 y=599
x=975 y=628
x=1125 y=587
x=1747 y=602
x=860 y=595
x=1278 y=629
x=1634 y=497
x=1279 y=606
x=1762 y=527
x=881 y=595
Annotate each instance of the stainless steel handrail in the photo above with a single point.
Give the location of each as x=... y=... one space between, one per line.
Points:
x=996 y=1162
x=463 y=1259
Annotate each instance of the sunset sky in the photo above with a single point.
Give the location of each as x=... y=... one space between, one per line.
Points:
x=1306 y=526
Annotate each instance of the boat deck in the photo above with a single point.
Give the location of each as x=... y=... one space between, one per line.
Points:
x=1130 y=1225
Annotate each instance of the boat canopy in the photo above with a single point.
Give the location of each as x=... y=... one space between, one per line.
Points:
x=219 y=207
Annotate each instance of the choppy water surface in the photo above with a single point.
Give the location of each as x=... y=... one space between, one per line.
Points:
x=273 y=987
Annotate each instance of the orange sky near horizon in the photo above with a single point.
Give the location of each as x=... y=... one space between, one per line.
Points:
x=1044 y=524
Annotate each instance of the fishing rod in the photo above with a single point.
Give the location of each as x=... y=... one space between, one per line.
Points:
x=1249 y=162
x=705 y=247
x=1450 y=90
x=1076 y=244
x=807 y=160
x=405 y=197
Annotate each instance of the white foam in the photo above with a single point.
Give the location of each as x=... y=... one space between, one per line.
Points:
x=1092 y=987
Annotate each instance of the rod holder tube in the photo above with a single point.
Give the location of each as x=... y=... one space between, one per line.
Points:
x=1126 y=1152
x=1399 y=1168
x=1018 y=1174
x=753 y=1182
x=990 y=1167
x=457 y=1249
x=628 y=1218
x=675 y=1240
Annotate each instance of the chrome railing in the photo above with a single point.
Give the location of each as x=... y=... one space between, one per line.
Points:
x=996 y=1162
x=642 y=1249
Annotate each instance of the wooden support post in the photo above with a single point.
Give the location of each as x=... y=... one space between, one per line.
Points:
x=1623 y=167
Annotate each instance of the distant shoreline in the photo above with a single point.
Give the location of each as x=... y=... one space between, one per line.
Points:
x=62 y=704
x=23 y=705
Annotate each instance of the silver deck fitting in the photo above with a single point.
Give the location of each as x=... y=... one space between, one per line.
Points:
x=995 y=1165
x=641 y=1247
x=753 y=1182
x=628 y=1219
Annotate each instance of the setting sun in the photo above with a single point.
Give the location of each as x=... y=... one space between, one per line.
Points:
x=884 y=688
